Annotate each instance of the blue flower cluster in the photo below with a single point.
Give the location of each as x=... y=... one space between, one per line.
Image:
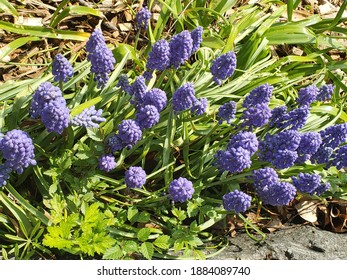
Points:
x=184 y=98
x=223 y=67
x=227 y=112
x=257 y=111
x=107 y=163
x=309 y=183
x=135 y=177
x=89 y=117
x=237 y=201
x=180 y=190
x=17 y=149
x=237 y=156
x=307 y=95
x=49 y=104
x=61 y=68
x=325 y=92
x=100 y=56
x=142 y=17
x=174 y=53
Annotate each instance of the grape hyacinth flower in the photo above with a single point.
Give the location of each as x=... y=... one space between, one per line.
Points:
x=307 y=183
x=296 y=118
x=322 y=188
x=184 y=98
x=284 y=159
x=223 y=67
x=286 y=140
x=233 y=160
x=147 y=116
x=309 y=143
x=155 y=97
x=180 y=190
x=88 y=118
x=138 y=89
x=107 y=163
x=325 y=92
x=237 y=201
x=61 y=68
x=281 y=193
x=278 y=116
x=56 y=117
x=339 y=157
x=129 y=132
x=142 y=17
x=244 y=139
x=181 y=46
x=307 y=95
x=159 y=56
x=114 y=143
x=334 y=135
x=264 y=177
x=135 y=177
x=227 y=112
x=100 y=56
x=4 y=174
x=200 y=106
x=43 y=95
x=123 y=83
x=256 y=116
x=196 y=35
x=322 y=155
x=18 y=150
x=261 y=94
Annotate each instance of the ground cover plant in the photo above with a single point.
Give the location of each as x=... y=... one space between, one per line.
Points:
x=151 y=149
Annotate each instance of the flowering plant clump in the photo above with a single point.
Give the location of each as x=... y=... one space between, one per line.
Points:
x=140 y=151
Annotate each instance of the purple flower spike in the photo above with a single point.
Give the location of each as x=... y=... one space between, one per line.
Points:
x=264 y=177
x=184 y=98
x=281 y=193
x=223 y=67
x=88 y=118
x=261 y=94
x=181 y=46
x=135 y=177
x=159 y=57
x=197 y=38
x=200 y=107
x=100 y=56
x=43 y=95
x=56 y=117
x=155 y=97
x=129 y=132
x=256 y=116
x=107 y=163
x=181 y=190
x=115 y=143
x=233 y=160
x=18 y=150
x=307 y=183
x=307 y=95
x=227 y=112
x=142 y=17
x=4 y=174
x=61 y=68
x=244 y=139
x=147 y=116
x=325 y=92
x=237 y=201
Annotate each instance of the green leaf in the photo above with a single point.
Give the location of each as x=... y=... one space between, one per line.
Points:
x=213 y=43
x=114 y=253
x=162 y=242
x=130 y=246
x=200 y=255
x=15 y=44
x=143 y=234
x=143 y=217
x=147 y=250
x=95 y=134
x=132 y=214
x=8 y=7
x=75 y=10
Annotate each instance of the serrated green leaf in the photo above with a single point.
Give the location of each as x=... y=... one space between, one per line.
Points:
x=143 y=217
x=114 y=253
x=130 y=246
x=147 y=250
x=95 y=134
x=162 y=242
x=200 y=255
x=132 y=214
x=143 y=234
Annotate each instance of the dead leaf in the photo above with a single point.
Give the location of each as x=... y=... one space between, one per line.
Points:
x=307 y=209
